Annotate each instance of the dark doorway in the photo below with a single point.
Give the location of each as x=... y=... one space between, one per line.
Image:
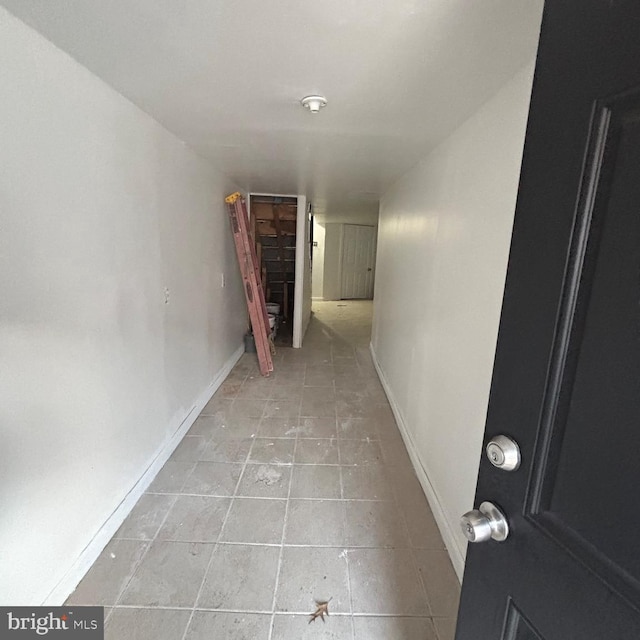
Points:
x=273 y=222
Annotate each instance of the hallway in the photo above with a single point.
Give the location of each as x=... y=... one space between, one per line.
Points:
x=286 y=491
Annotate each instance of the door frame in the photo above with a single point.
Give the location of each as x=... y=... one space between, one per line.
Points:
x=299 y=324
x=341 y=260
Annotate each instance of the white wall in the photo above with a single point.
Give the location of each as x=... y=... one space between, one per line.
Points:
x=302 y=289
x=307 y=284
x=100 y=210
x=332 y=280
x=366 y=217
x=317 y=268
x=443 y=243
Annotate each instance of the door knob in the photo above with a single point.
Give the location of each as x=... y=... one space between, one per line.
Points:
x=503 y=453
x=485 y=523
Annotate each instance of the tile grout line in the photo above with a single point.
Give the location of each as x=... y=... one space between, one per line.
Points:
x=411 y=548
x=344 y=522
x=150 y=543
x=371 y=438
x=137 y=565
x=216 y=544
x=345 y=550
x=283 y=614
x=342 y=500
x=284 y=524
x=353 y=547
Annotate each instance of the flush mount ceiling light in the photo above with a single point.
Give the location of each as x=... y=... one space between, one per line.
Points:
x=314 y=103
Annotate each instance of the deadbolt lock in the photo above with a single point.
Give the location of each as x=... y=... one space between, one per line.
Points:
x=503 y=453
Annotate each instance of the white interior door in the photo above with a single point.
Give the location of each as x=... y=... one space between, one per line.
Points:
x=358 y=261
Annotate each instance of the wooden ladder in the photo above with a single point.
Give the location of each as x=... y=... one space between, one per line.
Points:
x=248 y=261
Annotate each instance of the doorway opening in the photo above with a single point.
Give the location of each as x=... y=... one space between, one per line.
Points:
x=344 y=259
x=274 y=228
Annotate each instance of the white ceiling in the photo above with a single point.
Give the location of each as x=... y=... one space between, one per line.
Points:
x=226 y=76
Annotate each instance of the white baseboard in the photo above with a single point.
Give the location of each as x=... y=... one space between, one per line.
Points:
x=317 y=298
x=457 y=559
x=89 y=555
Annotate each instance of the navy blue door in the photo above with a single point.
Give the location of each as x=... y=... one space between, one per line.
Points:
x=566 y=380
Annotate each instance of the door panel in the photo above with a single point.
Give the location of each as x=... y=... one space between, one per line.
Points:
x=599 y=408
x=566 y=380
x=517 y=627
x=358 y=261
x=593 y=416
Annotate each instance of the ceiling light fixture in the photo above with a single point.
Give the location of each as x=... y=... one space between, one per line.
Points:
x=314 y=103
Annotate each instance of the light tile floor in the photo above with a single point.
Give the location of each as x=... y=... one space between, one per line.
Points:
x=286 y=490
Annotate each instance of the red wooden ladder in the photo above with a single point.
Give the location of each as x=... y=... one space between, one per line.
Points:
x=248 y=261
